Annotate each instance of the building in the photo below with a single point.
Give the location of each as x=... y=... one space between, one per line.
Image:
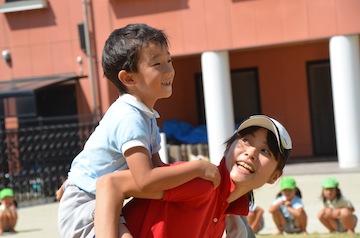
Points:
x=297 y=61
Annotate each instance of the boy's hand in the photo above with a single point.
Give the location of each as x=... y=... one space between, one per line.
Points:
x=59 y=193
x=211 y=172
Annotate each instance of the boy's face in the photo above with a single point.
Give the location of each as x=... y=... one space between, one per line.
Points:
x=155 y=74
x=250 y=162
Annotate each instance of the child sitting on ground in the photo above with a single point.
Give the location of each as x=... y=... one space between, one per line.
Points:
x=8 y=214
x=288 y=210
x=338 y=212
x=255 y=217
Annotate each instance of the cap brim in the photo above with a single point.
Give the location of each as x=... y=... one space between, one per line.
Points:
x=282 y=136
x=264 y=122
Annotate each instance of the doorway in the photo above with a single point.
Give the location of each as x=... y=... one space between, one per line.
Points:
x=321 y=106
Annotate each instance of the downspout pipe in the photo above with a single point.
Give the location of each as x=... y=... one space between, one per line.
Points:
x=89 y=55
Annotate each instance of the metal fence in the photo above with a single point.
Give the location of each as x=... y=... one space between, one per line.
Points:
x=35 y=159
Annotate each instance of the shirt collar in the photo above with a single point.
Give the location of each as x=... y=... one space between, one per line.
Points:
x=133 y=101
x=241 y=205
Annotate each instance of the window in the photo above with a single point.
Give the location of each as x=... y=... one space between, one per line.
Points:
x=321 y=108
x=22 y=5
x=245 y=92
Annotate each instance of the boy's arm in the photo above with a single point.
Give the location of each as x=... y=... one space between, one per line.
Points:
x=156 y=160
x=150 y=179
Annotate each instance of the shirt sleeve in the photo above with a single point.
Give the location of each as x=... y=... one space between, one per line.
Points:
x=344 y=202
x=297 y=203
x=134 y=131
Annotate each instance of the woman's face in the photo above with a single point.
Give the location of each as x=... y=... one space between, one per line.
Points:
x=329 y=193
x=250 y=161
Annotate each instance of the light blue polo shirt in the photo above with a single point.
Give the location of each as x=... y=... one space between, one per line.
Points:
x=127 y=123
x=296 y=203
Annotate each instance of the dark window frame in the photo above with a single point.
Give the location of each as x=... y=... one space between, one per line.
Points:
x=200 y=93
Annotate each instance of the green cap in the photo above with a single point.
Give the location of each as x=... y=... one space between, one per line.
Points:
x=330 y=183
x=287 y=183
x=6 y=192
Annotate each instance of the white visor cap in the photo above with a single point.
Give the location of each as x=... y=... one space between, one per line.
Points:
x=282 y=136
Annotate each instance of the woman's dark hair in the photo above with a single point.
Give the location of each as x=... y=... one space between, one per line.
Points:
x=272 y=142
x=123 y=47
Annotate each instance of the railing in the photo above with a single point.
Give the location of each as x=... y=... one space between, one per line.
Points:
x=187 y=152
x=34 y=160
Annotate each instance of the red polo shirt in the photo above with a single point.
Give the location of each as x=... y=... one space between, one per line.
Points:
x=194 y=209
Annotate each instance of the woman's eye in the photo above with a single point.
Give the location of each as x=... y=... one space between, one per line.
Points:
x=266 y=151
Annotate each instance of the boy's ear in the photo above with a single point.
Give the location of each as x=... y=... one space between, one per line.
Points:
x=274 y=177
x=125 y=78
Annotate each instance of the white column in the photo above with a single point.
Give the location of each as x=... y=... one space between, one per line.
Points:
x=163 y=153
x=345 y=78
x=218 y=101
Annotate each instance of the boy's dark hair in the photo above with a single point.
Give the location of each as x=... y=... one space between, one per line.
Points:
x=122 y=50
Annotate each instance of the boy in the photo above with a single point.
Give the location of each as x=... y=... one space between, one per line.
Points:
x=256 y=154
x=8 y=214
x=137 y=61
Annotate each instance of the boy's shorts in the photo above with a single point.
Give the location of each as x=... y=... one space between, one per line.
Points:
x=76 y=213
x=290 y=227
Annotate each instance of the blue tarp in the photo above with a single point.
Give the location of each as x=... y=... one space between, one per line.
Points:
x=184 y=132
